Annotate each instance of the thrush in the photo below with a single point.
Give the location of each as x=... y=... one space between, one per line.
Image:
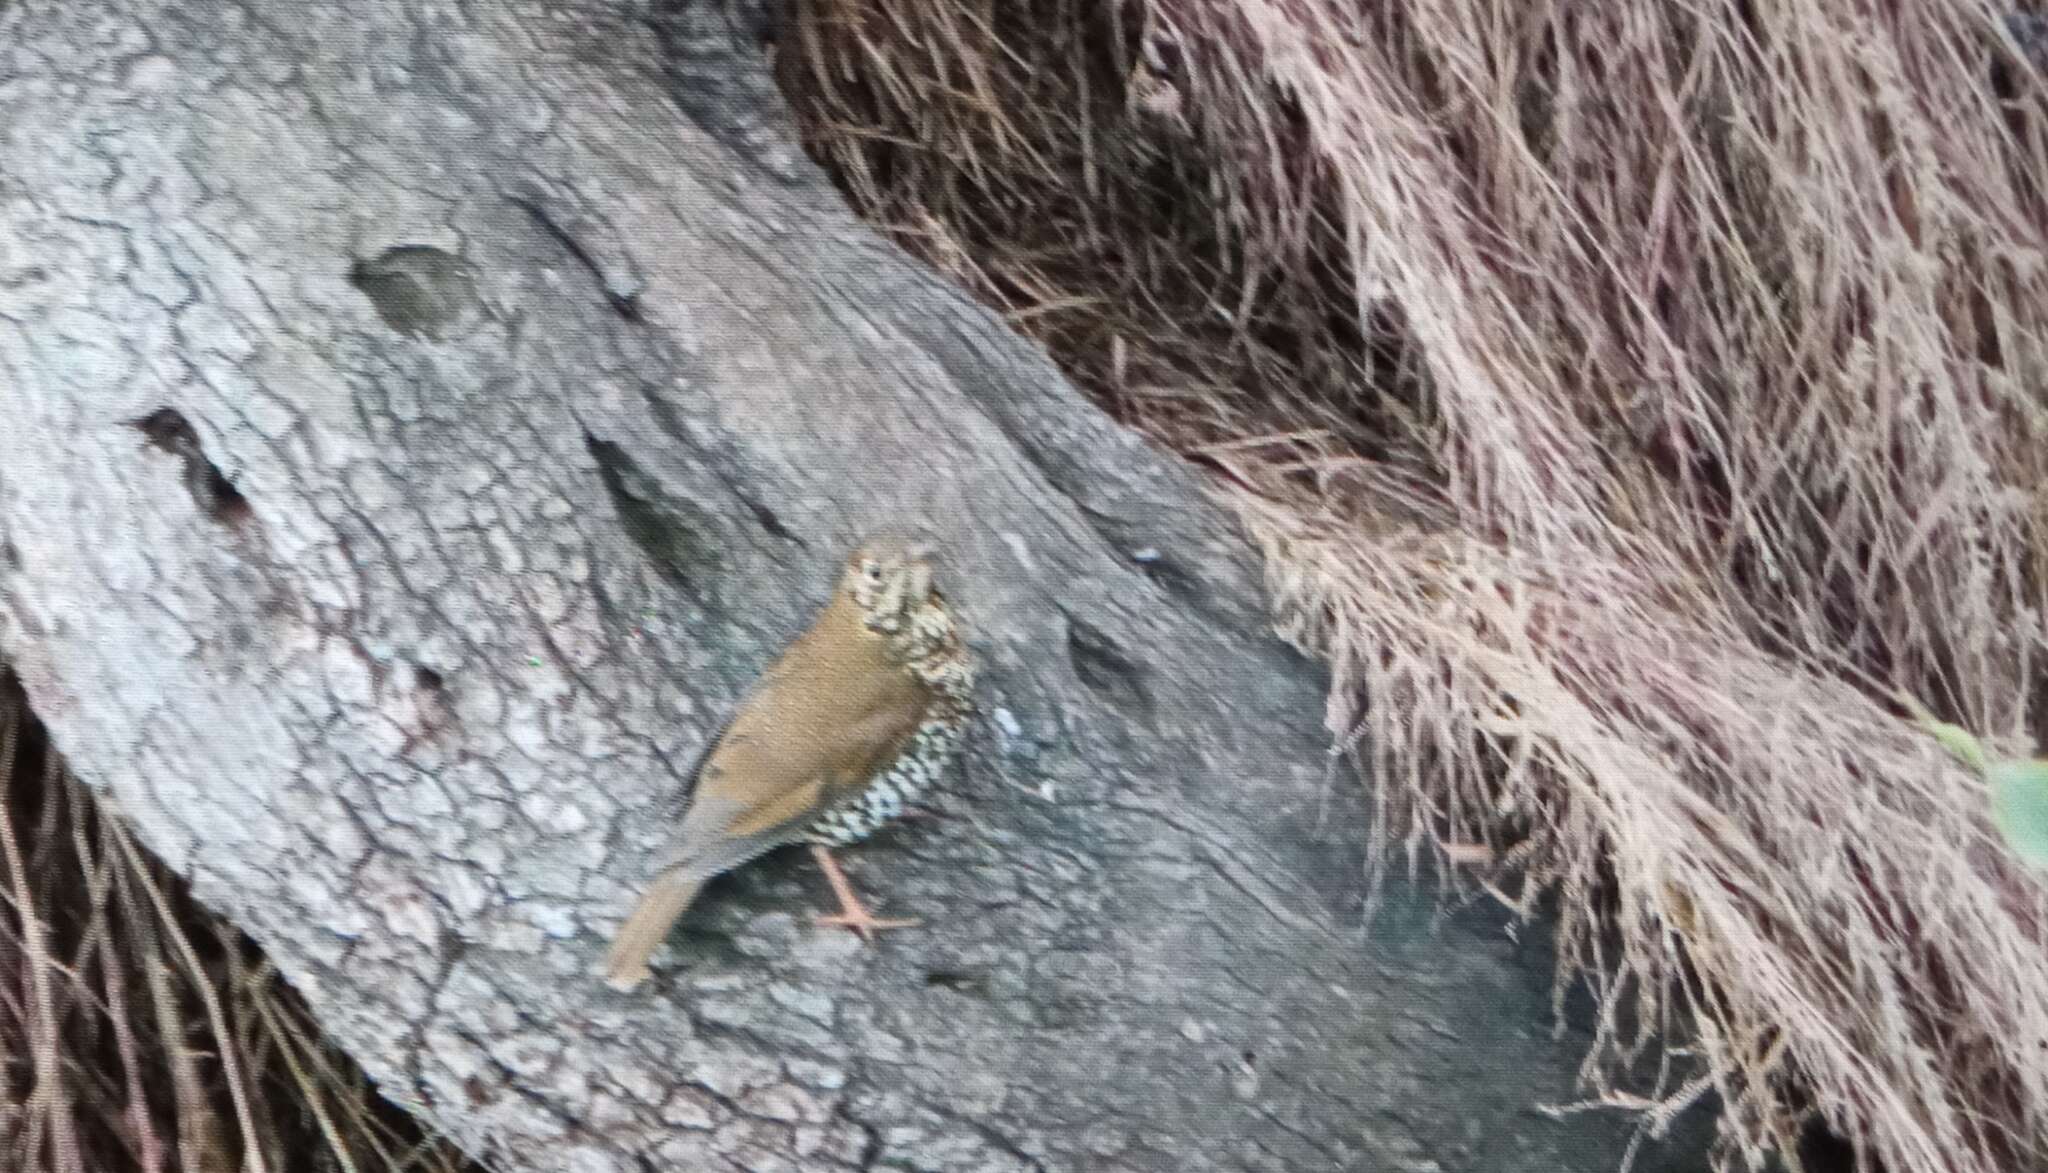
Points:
x=849 y=725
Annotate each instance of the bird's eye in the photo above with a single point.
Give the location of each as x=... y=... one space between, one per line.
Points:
x=873 y=572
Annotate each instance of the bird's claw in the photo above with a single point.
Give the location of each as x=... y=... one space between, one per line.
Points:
x=860 y=921
x=852 y=913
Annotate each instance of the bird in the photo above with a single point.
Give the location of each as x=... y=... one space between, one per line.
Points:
x=850 y=724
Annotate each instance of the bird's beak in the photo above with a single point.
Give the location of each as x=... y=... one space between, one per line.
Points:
x=922 y=550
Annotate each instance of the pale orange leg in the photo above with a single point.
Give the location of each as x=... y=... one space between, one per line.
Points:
x=852 y=913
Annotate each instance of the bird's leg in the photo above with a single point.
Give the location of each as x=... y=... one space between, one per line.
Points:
x=852 y=913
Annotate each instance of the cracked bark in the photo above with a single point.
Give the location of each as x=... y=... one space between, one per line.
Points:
x=421 y=420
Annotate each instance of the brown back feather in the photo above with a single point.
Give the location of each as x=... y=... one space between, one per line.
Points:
x=831 y=713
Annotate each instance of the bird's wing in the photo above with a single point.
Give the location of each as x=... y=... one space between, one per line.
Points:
x=866 y=747
x=798 y=746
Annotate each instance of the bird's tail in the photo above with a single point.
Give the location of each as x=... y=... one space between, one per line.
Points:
x=645 y=928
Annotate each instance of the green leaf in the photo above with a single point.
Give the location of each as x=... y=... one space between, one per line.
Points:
x=1958 y=741
x=1953 y=738
x=2019 y=805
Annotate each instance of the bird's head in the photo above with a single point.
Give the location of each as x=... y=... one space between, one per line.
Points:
x=889 y=578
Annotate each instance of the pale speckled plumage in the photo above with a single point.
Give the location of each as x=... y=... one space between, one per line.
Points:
x=855 y=719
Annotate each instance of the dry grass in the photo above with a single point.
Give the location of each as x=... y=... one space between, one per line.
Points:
x=139 y=1032
x=1628 y=399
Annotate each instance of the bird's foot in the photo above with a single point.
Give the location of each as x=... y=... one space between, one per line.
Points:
x=852 y=913
x=859 y=920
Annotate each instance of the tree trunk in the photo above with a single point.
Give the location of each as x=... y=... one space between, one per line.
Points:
x=419 y=421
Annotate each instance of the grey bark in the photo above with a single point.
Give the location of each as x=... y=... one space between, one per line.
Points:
x=508 y=383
